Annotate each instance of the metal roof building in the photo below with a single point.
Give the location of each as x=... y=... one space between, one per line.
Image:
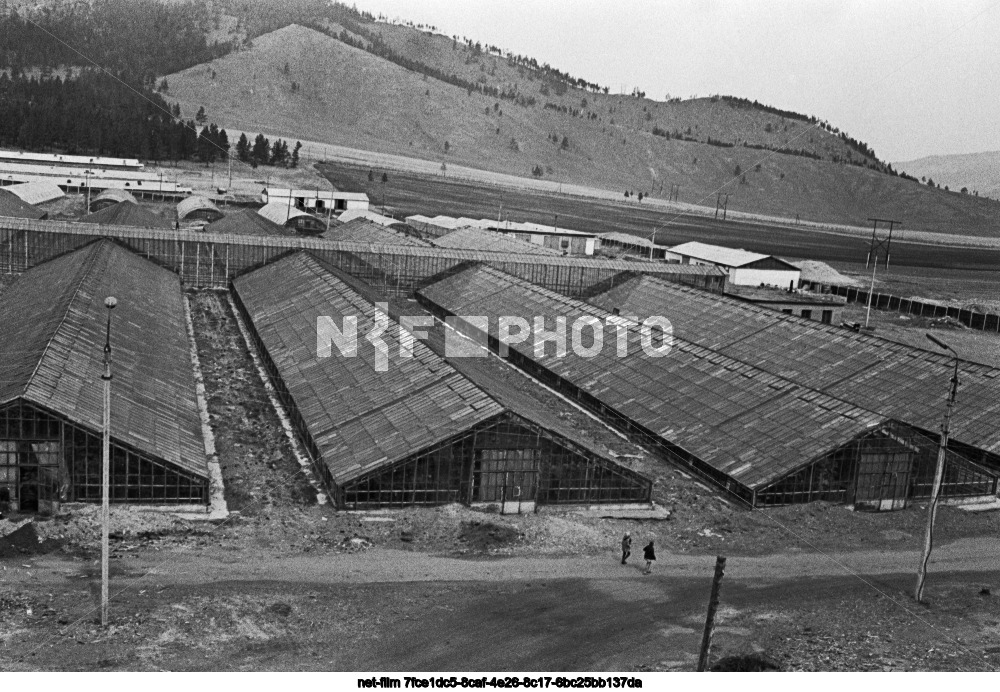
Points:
x=110 y=197
x=126 y=214
x=13 y=206
x=198 y=207
x=745 y=268
x=750 y=430
x=372 y=216
x=69 y=160
x=389 y=430
x=318 y=200
x=634 y=245
x=36 y=192
x=476 y=239
x=51 y=406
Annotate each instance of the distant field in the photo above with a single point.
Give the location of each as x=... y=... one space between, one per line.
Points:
x=405 y=194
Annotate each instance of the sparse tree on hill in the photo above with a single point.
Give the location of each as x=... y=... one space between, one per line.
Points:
x=737 y=171
x=200 y=117
x=371 y=176
x=163 y=85
x=565 y=142
x=930 y=182
x=286 y=68
x=385 y=177
x=446 y=146
x=243 y=148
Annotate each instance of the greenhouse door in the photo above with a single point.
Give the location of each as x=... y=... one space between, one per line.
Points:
x=508 y=477
x=883 y=482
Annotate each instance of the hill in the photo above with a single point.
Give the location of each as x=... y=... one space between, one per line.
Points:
x=399 y=90
x=979 y=172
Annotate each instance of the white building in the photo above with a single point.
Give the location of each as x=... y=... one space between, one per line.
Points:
x=564 y=240
x=744 y=268
x=320 y=201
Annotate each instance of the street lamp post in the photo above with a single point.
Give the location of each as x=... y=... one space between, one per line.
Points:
x=110 y=302
x=938 y=471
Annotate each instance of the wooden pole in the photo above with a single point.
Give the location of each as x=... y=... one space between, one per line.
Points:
x=713 y=606
x=938 y=476
x=109 y=303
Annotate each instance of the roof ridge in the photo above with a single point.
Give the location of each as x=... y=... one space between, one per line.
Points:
x=88 y=270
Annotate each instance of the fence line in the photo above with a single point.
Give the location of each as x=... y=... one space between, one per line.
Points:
x=205 y=260
x=986 y=322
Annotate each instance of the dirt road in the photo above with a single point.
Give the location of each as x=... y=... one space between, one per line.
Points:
x=384 y=609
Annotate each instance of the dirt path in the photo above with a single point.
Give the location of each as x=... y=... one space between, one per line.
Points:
x=383 y=609
x=382 y=565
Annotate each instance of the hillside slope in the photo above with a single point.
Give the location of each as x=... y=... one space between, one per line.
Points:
x=979 y=172
x=337 y=93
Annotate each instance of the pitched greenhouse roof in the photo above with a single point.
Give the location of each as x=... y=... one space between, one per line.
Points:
x=751 y=425
x=127 y=214
x=14 y=206
x=475 y=239
x=52 y=348
x=896 y=381
x=247 y=222
x=361 y=230
x=359 y=418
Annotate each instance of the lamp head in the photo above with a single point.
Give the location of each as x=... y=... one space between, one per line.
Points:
x=110 y=302
x=937 y=342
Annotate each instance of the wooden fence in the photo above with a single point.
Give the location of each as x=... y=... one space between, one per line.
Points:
x=205 y=260
x=987 y=322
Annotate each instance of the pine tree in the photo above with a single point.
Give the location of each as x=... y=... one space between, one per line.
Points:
x=295 y=154
x=200 y=117
x=260 y=151
x=243 y=148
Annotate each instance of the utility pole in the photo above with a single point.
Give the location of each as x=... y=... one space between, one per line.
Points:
x=110 y=302
x=86 y=175
x=718 y=202
x=938 y=472
x=713 y=606
x=876 y=245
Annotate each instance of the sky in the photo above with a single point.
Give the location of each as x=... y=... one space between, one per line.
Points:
x=911 y=78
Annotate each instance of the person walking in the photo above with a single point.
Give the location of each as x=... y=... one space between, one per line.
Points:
x=649 y=555
x=626 y=546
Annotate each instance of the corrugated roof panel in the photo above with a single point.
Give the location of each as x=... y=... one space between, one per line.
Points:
x=890 y=379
